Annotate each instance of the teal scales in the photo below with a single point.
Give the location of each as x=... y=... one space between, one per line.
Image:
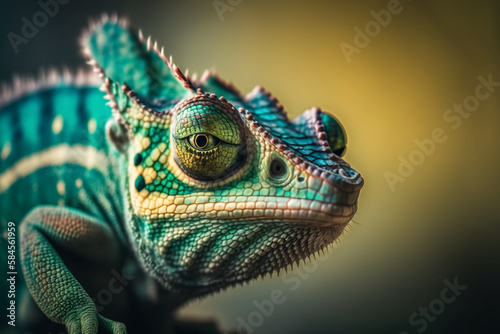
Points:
x=47 y=155
x=180 y=185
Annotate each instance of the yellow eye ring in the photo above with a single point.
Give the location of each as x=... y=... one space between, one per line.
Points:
x=200 y=141
x=203 y=141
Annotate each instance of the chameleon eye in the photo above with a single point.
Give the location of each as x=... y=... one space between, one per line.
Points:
x=203 y=141
x=207 y=139
x=278 y=169
x=337 y=137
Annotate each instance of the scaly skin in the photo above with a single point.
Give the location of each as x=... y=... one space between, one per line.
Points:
x=202 y=187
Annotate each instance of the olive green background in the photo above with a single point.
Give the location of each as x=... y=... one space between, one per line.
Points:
x=441 y=223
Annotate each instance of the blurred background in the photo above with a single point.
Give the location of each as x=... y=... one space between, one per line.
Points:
x=423 y=225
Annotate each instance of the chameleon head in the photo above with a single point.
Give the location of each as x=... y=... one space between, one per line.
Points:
x=221 y=191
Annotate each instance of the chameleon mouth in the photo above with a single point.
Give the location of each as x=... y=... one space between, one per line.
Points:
x=311 y=212
x=319 y=213
x=323 y=220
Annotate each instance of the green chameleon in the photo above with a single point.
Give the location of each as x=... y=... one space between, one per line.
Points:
x=189 y=188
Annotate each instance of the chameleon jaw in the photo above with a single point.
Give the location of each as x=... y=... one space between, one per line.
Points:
x=195 y=260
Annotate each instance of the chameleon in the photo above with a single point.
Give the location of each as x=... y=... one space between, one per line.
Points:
x=174 y=189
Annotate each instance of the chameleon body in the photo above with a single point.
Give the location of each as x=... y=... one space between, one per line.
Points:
x=174 y=189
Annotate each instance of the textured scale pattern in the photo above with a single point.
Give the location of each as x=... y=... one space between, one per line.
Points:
x=184 y=185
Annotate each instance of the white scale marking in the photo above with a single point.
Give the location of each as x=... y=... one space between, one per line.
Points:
x=91 y=125
x=61 y=188
x=5 y=150
x=57 y=124
x=85 y=156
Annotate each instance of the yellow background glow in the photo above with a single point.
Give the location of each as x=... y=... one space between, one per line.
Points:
x=441 y=223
